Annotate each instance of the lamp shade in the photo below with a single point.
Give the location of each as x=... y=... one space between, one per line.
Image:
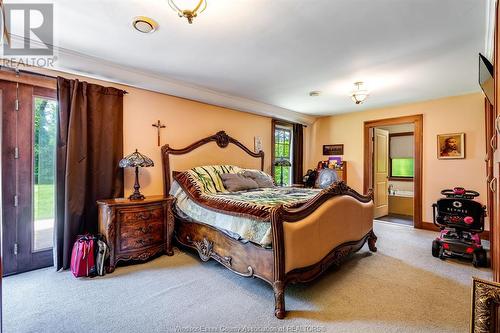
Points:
x=359 y=94
x=282 y=162
x=136 y=159
x=359 y=97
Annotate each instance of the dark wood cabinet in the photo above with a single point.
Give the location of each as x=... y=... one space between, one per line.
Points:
x=136 y=229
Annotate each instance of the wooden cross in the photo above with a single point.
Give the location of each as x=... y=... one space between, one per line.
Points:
x=159 y=126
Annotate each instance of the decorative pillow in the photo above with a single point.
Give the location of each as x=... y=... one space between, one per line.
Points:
x=238 y=182
x=261 y=178
x=326 y=177
x=209 y=176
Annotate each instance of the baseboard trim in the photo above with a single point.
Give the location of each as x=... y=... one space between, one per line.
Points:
x=432 y=227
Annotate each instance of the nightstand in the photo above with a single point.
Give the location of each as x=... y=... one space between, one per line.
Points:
x=136 y=229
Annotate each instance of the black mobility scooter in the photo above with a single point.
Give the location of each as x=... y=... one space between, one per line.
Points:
x=461 y=220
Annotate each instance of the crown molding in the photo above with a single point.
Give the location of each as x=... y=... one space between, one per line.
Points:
x=73 y=62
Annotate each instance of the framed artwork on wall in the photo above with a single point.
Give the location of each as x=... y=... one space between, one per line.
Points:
x=451 y=146
x=333 y=149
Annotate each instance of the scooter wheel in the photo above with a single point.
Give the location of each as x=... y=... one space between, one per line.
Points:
x=436 y=247
x=479 y=258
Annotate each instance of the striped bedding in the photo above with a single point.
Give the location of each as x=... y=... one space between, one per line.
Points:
x=201 y=196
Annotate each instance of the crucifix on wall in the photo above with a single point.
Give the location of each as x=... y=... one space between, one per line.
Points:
x=158 y=126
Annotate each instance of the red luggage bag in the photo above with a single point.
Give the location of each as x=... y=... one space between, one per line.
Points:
x=82 y=256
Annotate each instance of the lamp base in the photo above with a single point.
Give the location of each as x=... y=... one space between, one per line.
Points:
x=136 y=196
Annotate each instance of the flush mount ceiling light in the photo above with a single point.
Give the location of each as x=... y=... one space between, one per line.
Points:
x=314 y=93
x=189 y=14
x=359 y=94
x=144 y=24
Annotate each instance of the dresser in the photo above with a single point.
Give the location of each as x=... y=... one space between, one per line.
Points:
x=136 y=229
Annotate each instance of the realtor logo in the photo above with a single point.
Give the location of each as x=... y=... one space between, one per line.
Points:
x=32 y=29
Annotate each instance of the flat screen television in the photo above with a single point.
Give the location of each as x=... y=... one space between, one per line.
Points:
x=486 y=78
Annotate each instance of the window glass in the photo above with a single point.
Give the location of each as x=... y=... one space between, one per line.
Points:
x=282 y=149
x=44 y=159
x=402 y=167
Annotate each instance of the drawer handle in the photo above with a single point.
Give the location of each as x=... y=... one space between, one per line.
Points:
x=143 y=242
x=493 y=185
x=144 y=216
x=497 y=126
x=145 y=230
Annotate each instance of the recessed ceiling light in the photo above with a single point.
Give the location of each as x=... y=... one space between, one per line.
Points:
x=144 y=24
x=314 y=93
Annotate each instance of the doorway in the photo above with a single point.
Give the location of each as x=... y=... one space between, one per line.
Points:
x=393 y=172
x=29 y=128
x=393 y=168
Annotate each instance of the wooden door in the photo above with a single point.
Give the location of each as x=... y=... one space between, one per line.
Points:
x=494 y=183
x=381 y=171
x=24 y=220
x=491 y=146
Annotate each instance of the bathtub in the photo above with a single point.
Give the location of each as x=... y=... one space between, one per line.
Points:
x=401 y=202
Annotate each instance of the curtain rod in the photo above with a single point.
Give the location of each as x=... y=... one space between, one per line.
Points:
x=285 y=122
x=22 y=71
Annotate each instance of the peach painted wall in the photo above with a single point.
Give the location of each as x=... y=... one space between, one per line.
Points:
x=447 y=115
x=186 y=121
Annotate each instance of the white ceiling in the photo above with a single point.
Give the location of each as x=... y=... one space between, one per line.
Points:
x=274 y=52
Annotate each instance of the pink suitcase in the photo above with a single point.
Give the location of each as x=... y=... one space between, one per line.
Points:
x=82 y=256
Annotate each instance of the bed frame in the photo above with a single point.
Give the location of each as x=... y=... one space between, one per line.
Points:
x=249 y=260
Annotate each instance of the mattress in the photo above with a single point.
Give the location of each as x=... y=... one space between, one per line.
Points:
x=242 y=226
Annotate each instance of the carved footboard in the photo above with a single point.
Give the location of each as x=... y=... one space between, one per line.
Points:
x=243 y=258
x=309 y=239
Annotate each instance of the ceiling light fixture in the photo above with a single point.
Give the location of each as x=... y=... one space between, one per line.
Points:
x=189 y=14
x=314 y=93
x=359 y=94
x=144 y=24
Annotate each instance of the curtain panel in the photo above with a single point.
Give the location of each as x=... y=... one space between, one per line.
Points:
x=89 y=147
x=298 y=153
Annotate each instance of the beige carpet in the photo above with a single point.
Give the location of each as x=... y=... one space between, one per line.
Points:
x=401 y=288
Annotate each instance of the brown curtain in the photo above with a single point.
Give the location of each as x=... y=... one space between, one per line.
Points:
x=298 y=153
x=89 y=147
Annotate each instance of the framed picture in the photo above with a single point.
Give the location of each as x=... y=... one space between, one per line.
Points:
x=451 y=146
x=333 y=149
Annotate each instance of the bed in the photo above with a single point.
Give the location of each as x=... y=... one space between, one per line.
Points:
x=296 y=235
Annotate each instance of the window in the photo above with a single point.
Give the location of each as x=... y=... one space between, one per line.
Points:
x=401 y=156
x=283 y=151
x=402 y=167
x=44 y=159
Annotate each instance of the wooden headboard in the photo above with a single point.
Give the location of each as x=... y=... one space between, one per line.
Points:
x=220 y=138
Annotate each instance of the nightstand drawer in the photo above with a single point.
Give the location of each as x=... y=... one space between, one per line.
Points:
x=141 y=234
x=154 y=213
